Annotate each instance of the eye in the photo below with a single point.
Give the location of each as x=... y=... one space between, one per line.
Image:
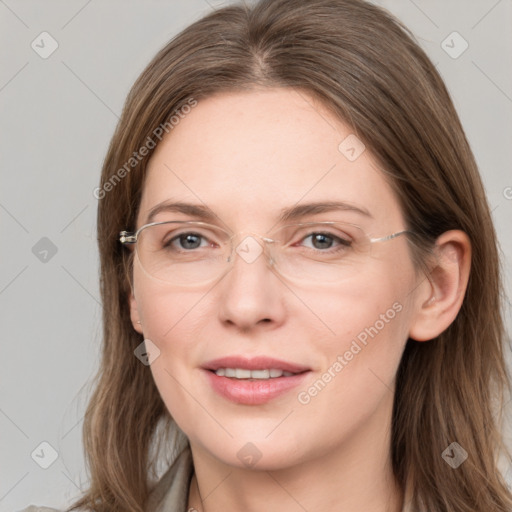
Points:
x=187 y=241
x=323 y=240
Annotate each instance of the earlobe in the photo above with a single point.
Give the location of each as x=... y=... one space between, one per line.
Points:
x=440 y=300
x=134 y=313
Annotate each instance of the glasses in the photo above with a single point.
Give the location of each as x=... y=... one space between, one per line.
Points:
x=192 y=252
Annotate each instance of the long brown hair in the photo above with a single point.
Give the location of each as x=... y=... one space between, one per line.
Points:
x=363 y=65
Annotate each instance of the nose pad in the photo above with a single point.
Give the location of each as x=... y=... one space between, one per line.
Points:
x=270 y=246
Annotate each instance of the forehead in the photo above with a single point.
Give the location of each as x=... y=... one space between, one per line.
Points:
x=251 y=154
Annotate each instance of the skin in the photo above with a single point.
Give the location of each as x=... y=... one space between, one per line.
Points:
x=246 y=156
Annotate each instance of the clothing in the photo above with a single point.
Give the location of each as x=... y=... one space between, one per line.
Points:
x=171 y=491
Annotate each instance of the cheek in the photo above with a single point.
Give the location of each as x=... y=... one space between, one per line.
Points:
x=171 y=321
x=176 y=322
x=365 y=328
x=165 y=311
x=358 y=304
x=359 y=363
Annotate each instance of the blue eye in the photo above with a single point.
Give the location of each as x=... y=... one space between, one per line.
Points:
x=327 y=240
x=187 y=241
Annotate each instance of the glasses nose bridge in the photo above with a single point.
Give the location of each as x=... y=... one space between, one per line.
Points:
x=266 y=242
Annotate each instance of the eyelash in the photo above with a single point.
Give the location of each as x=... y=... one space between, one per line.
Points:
x=343 y=243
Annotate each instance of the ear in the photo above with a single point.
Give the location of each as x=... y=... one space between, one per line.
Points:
x=134 y=312
x=440 y=298
x=132 y=301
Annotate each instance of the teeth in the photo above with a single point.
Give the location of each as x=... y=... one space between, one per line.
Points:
x=261 y=374
x=240 y=373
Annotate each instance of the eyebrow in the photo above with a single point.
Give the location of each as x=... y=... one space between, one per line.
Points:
x=286 y=214
x=303 y=210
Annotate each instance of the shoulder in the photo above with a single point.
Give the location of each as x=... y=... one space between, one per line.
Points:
x=171 y=492
x=34 y=508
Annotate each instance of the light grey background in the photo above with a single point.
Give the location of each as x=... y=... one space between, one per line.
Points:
x=57 y=117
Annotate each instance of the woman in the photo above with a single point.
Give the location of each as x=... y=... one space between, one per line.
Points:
x=296 y=246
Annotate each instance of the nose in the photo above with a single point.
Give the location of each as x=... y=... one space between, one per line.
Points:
x=251 y=294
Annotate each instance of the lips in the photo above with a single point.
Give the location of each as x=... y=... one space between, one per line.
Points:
x=255 y=363
x=249 y=391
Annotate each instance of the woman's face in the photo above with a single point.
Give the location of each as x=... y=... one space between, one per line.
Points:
x=247 y=157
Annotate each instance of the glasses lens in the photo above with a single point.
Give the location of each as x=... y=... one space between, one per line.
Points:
x=188 y=253
x=320 y=253
x=183 y=253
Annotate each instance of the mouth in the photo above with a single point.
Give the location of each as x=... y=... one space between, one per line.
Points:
x=244 y=374
x=253 y=381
